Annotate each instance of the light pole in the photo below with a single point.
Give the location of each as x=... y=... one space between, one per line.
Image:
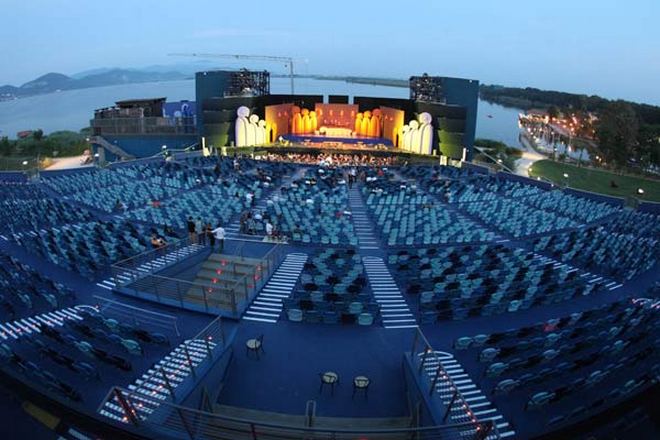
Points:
x=566 y=177
x=640 y=191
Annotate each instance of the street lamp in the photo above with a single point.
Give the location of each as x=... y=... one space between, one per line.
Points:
x=640 y=191
x=566 y=177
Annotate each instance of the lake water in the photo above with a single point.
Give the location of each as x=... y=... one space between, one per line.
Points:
x=72 y=110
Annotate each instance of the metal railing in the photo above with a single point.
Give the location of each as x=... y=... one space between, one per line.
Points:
x=441 y=385
x=221 y=295
x=175 y=421
x=138 y=266
x=211 y=339
x=143 y=125
x=137 y=316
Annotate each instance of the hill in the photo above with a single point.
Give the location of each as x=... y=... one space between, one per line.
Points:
x=52 y=82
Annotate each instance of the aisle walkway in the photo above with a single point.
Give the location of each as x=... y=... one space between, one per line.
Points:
x=394 y=309
x=267 y=306
x=363 y=226
x=478 y=403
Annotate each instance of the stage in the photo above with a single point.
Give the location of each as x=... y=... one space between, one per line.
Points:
x=352 y=142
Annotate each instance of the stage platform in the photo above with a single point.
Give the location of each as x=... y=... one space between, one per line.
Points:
x=353 y=141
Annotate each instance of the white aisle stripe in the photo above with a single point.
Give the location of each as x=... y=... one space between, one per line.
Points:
x=267 y=306
x=394 y=309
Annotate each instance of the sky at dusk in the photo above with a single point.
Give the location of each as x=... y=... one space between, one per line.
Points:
x=605 y=47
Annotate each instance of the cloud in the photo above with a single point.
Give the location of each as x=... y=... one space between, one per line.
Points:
x=237 y=32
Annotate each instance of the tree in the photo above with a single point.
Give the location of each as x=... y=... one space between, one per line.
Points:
x=648 y=150
x=6 y=146
x=617 y=132
x=38 y=134
x=553 y=112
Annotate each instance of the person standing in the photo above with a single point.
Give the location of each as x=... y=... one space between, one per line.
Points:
x=219 y=235
x=190 y=224
x=199 y=230
x=208 y=231
x=269 y=230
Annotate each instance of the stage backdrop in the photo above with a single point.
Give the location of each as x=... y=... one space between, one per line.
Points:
x=336 y=115
x=393 y=120
x=278 y=116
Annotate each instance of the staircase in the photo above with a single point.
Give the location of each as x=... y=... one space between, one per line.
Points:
x=478 y=403
x=114 y=149
x=267 y=306
x=150 y=266
x=394 y=309
x=154 y=386
x=363 y=225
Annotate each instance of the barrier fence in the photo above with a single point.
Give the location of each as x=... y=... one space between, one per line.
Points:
x=138 y=316
x=175 y=421
x=228 y=296
x=129 y=270
x=210 y=341
x=443 y=392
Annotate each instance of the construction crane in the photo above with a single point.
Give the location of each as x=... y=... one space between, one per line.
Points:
x=288 y=61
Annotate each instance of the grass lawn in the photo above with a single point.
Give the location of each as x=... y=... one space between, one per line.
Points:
x=597 y=181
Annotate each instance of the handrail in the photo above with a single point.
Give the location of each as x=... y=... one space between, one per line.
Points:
x=161 y=250
x=139 y=314
x=192 y=423
x=213 y=332
x=217 y=296
x=440 y=374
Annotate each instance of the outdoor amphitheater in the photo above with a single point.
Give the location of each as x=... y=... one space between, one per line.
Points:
x=355 y=295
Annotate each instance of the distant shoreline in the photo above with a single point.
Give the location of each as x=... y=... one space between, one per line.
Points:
x=386 y=82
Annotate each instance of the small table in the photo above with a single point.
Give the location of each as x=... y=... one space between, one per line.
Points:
x=329 y=378
x=360 y=383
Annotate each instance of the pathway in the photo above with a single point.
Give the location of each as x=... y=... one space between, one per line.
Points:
x=394 y=309
x=478 y=403
x=363 y=226
x=267 y=306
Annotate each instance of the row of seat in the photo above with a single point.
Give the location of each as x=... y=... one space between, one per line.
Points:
x=333 y=288
x=641 y=224
x=314 y=210
x=88 y=347
x=618 y=255
x=21 y=191
x=576 y=208
x=567 y=365
x=25 y=291
x=405 y=215
x=455 y=282
x=516 y=218
x=546 y=333
x=33 y=214
x=477 y=188
x=89 y=247
x=212 y=203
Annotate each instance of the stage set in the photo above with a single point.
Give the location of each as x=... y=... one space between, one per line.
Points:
x=238 y=110
x=335 y=125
